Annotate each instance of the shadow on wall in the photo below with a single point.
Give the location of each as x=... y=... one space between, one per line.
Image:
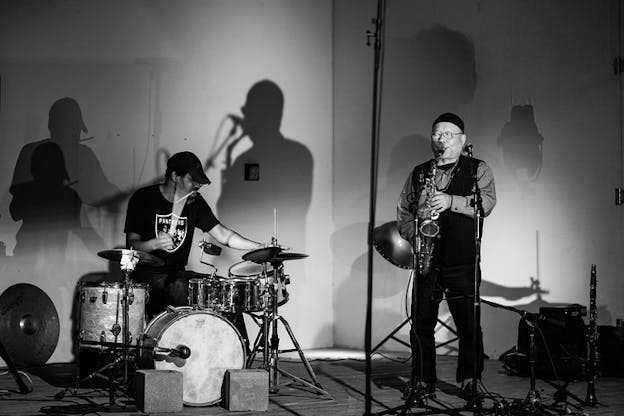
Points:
x=49 y=210
x=84 y=172
x=54 y=181
x=431 y=72
x=274 y=173
x=522 y=144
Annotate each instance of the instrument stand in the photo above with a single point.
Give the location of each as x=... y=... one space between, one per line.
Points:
x=532 y=404
x=129 y=260
x=23 y=389
x=270 y=347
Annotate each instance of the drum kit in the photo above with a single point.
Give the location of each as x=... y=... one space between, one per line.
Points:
x=197 y=340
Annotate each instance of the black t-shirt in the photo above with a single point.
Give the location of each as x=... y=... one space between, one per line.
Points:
x=149 y=212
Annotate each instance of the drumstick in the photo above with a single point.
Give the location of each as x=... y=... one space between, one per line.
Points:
x=182 y=198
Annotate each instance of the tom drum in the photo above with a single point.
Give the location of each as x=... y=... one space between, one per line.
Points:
x=250 y=271
x=101 y=313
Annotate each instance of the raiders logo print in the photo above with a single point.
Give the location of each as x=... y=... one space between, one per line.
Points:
x=173 y=225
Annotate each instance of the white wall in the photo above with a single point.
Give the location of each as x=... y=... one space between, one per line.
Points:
x=154 y=78
x=480 y=59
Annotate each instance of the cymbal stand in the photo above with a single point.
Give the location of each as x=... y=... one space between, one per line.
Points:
x=270 y=347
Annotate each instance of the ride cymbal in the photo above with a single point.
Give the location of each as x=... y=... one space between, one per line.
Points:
x=29 y=325
x=262 y=255
x=285 y=255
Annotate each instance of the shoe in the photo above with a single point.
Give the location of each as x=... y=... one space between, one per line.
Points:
x=465 y=391
x=420 y=392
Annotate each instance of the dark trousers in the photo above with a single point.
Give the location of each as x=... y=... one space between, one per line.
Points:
x=457 y=285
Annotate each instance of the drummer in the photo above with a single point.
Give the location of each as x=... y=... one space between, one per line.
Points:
x=161 y=220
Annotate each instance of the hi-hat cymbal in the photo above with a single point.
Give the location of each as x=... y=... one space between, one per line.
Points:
x=29 y=325
x=392 y=246
x=144 y=258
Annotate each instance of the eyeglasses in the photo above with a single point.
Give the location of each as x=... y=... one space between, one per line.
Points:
x=446 y=134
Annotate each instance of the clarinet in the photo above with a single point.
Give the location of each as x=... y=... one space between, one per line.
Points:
x=592 y=343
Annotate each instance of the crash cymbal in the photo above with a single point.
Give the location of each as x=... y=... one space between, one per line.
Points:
x=262 y=255
x=29 y=325
x=144 y=258
x=392 y=246
x=284 y=255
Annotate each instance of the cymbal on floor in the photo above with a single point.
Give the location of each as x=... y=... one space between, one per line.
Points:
x=29 y=325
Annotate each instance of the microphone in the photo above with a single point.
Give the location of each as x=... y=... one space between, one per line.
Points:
x=181 y=351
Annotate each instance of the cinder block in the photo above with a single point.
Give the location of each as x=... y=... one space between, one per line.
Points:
x=246 y=390
x=158 y=391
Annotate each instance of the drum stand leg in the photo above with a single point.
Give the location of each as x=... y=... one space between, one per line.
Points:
x=271 y=351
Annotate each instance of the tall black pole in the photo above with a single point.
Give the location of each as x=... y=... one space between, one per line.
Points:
x=377 y=82
x=476 y=304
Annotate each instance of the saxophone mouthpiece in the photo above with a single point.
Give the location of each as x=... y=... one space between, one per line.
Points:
x=439 y=149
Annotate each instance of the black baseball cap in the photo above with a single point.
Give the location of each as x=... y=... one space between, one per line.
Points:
x=187 y=162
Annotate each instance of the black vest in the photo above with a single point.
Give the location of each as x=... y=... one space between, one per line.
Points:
x=455 y=245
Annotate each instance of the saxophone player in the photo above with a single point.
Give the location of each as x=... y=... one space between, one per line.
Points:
x=435 y=214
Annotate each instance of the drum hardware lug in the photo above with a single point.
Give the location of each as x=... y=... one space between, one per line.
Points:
x=115 y=330
x=104 y=296
x=81 y=335
x=82 y=296
x=92 y=299
x=131 y=298
x=102 y=336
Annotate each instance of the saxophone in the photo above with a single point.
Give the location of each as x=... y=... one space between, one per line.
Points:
x=428 y=228
x=592 y=342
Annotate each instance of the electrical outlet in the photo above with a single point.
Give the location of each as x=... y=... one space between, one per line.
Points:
x=252 y=172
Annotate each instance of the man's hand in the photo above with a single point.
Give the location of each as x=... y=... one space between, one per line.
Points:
x=441 y=201
x=162 y=242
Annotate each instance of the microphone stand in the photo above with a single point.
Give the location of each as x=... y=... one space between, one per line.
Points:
x=532 y=404
x=379 y=38
x=477 y=204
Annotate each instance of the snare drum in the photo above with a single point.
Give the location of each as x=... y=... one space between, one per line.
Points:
x=247 y=270
x=101 y=313
x=214 y=343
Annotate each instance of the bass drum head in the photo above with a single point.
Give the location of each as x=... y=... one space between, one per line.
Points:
x=215 y=346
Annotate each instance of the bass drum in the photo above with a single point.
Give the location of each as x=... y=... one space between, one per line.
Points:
x=213 y=341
